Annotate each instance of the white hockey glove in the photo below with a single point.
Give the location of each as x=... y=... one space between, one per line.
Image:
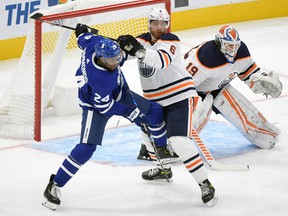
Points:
x=266 y=82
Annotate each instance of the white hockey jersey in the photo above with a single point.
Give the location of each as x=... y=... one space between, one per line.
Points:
x=210 y=69
x=162 y=74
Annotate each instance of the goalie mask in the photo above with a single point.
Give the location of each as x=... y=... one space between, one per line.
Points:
x=228 y=42
x=159 y=14
x=109 y=51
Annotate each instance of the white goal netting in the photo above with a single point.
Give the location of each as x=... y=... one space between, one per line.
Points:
x=60 y=58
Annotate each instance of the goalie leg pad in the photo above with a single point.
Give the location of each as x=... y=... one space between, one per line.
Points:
x=202 y=113
x=246 y=118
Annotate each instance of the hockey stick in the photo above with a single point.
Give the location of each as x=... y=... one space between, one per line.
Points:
x=146 y=130
x=155 y=149
x=210 y=159
x=37 y=17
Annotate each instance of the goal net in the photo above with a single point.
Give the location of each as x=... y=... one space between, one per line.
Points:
x=44 y=78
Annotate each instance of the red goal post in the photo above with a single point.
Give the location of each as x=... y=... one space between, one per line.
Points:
x=50 y=59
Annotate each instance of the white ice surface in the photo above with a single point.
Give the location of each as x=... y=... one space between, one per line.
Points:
x=108 y=190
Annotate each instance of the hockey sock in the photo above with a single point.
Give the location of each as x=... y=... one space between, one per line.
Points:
x=157 y=125
x=189 y=154
x=79 y=156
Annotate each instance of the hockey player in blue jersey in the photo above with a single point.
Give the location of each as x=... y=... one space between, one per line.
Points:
x=103 y=92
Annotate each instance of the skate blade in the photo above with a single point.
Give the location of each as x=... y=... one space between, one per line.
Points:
x=144 y=158
x=168 y=161
x=160 y=180
x=212 y=202
x=50 y=205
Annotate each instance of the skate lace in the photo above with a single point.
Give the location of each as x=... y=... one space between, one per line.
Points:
x=205 y=188
x=153 y=172
x=55 y=191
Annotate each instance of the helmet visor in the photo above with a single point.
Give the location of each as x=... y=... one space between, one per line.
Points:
x=114 y=60
x=159 y=23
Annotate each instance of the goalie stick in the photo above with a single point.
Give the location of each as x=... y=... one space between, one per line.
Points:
x=210 y=159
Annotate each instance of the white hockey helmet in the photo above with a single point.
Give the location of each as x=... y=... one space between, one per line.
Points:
x=159 y=14
x=228 y=41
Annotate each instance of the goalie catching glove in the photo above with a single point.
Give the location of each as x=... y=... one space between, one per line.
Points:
x=265 y=82
x=131 y=46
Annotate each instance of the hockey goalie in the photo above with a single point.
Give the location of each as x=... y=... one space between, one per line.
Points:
x=213 y=65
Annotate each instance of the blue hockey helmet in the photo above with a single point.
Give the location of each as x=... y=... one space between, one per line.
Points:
x=107 y=48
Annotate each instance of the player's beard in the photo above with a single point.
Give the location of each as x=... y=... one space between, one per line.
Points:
x=157 y=34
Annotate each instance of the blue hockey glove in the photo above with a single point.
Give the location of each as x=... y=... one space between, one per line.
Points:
x=136 y=116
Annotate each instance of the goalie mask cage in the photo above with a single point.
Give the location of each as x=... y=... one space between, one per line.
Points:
x=51 y=57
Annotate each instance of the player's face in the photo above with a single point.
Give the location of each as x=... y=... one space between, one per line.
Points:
x=111 y=63
x=158 y=28
x=232 y=47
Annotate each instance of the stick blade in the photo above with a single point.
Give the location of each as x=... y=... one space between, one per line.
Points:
x=228 y=167
x=36 y=16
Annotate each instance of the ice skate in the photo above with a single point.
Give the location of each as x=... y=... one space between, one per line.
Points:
x=52 y=195
x=166 y=156
x=208 y=193
x=144 y=154
x=158 y=174
x=166 y=153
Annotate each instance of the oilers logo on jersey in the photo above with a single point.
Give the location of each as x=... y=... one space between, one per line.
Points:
x=228 y=79
x=146 y=70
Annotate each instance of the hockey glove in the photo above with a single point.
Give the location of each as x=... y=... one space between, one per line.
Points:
x=266 y=83
x=135 y=115
x=129 y=44
x=80 y=29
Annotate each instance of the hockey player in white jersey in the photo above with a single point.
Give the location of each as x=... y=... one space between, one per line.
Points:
x=165 y=81
x=213 y=65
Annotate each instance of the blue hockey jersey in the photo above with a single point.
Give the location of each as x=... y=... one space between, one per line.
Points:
x=99 y=88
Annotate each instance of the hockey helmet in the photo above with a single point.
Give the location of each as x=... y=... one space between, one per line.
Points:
x=228 y=41
x=108 y=49
x=160 y=14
